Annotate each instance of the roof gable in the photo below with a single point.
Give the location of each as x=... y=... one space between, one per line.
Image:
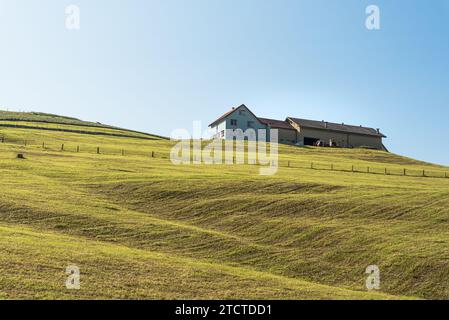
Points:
x=227 y=114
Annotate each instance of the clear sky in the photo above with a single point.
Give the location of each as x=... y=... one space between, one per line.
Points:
x=159 y=65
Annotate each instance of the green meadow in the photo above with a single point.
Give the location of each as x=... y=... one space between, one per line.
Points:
x=140 y=227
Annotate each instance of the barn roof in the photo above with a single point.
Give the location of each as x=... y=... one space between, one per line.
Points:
x=276 y=123
x=340 y=127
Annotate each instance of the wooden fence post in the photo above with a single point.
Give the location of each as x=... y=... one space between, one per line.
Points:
x=405 y=172
x=43 y=145
x=98 y=150
x=152 y=154
x=424 y=173
x=78 y=149
x=352 y=168
x=332 y=167
x=3 y=139
x=123 y=152
x=62 y=147
x=386 y=172
x=288 y=164
x=368 y=170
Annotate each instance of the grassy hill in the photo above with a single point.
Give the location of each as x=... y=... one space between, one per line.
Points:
x=138 y=226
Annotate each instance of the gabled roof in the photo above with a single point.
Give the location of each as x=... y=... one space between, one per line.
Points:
x=340 y=127
x=271 y=122
x=276 y=123
x=221 y=119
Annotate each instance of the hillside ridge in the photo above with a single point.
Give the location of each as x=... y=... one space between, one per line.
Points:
x=40 y=117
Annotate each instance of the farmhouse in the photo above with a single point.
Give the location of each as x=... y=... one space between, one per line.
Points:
x=298 y=131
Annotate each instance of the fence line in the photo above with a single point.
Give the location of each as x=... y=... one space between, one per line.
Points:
x=283 y=164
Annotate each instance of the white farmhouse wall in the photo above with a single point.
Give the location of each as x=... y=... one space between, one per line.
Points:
x=218 y=129
x=242 y=115
x=242 y=118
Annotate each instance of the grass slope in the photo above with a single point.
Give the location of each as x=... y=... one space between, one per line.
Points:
x=141 y=227
x=36 y=120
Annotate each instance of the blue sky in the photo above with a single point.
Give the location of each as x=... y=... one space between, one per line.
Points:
x=159 y=65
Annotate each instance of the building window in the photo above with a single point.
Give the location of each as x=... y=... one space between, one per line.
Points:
x=233 y=122
x=222 y=133
x=242 y=112
x=250 y=124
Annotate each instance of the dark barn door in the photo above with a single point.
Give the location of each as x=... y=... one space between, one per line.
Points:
x=310 y=141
